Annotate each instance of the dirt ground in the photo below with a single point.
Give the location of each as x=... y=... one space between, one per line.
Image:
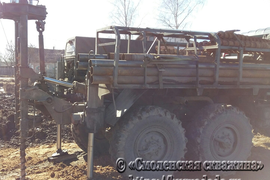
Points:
x=41 y=145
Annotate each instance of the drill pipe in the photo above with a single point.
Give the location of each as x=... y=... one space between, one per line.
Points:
x=110 y=62
x=141 y=56
x=178 y=64
x=61 y=83
x=169 y=80
x=82 y=66
x=178 y=72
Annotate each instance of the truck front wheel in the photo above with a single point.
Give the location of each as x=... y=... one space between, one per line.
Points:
x=80 y=135
x=151 y=133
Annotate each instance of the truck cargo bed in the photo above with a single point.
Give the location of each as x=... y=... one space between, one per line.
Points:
x=191 y=60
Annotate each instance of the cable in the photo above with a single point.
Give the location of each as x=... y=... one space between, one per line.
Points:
x=4 y=30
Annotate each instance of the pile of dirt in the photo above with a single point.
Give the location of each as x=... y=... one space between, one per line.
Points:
x=7 y=109
x=43 y=132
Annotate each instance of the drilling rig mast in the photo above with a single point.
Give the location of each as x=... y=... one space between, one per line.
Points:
x=21 y=12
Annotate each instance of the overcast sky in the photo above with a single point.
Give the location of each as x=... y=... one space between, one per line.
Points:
x=68 y=18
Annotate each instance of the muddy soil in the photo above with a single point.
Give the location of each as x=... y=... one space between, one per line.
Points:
x=41 y=145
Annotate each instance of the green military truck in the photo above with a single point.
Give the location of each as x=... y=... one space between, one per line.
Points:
x=179 y=98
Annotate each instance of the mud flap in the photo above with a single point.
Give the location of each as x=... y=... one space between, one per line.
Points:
x=94 y=119
x=122 y=103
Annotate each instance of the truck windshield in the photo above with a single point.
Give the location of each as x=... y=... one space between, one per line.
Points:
x=70 y=48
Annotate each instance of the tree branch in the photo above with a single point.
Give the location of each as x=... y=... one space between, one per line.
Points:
x=174 y=13
x=124 y=12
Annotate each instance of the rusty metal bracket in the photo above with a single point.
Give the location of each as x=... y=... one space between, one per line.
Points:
x=147 y=59
x=27 y=72
x=40 y=25
x=34 y=93
x=60 y=110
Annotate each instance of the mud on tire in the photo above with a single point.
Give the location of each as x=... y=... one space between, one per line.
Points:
x=151 y=133
x=219 y=132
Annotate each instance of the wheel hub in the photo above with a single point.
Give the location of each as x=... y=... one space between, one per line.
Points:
x=152 y=145
x=224 y=141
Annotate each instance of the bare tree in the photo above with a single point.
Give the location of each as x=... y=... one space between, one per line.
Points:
x=125 y=12
x=8 y=57
x=174 y=13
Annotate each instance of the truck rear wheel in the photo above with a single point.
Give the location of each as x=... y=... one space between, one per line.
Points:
x=80 y=135
x=218 y=133
x=257 y=112
x=151 y=133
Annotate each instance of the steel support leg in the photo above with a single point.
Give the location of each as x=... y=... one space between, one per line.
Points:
x=59 y=151
x=59 y=155
x=93 y=102
x=58 y=141
x=90 y=156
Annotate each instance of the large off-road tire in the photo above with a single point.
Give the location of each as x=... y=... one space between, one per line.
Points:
x=259 y=115
x=80 y=135
x=151 y=133
x=218 y=133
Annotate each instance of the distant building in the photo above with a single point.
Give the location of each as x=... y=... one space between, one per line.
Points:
x=51 y=57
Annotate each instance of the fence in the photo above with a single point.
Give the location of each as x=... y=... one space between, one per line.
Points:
x=7 y=71
x=10 y=70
